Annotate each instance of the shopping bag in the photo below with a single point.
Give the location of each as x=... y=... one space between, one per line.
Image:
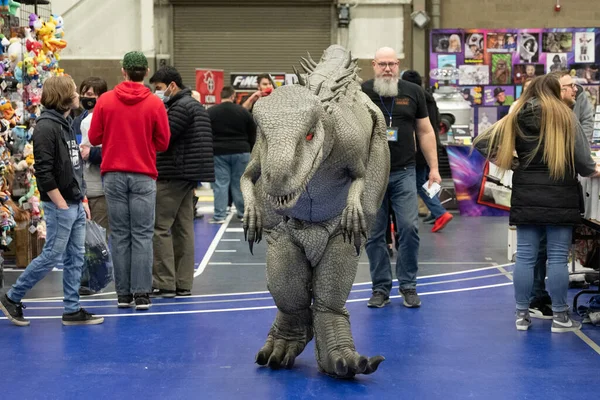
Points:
x=98 y=260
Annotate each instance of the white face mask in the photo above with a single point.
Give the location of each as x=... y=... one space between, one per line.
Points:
x=160 y=94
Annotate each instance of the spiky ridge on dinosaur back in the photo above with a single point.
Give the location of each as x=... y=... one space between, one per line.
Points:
x=335 y=77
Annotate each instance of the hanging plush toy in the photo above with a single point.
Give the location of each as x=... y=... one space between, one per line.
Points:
x=59 y=32
x=13 y=6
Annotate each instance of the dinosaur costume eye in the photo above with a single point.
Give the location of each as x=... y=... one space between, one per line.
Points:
x=310 y=136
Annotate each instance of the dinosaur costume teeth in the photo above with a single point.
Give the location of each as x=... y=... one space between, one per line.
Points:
x=314 y=183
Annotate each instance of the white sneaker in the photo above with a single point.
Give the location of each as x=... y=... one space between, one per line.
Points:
x=561 y=323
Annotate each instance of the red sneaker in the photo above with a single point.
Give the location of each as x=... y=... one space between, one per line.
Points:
x=441 y=222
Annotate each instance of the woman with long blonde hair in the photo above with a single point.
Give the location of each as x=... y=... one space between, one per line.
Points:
x=552 y=150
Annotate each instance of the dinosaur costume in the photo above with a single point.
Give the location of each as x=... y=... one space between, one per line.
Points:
x=314 y=183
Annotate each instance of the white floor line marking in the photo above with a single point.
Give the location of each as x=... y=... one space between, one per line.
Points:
x=145 y=314
x=443 y=291
x=213 y=246
x=155 y=304
x=230 y=240
x=225 y=251
x=588 y=341
x=267 y=292
x=235 y=229
x=83 y=298
x=259 y=298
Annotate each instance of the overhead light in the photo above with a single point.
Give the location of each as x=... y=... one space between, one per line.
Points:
x=420 y=18
x=343 y=15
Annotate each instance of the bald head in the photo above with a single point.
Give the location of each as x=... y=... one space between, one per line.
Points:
x=387 y=71
x=386 y=52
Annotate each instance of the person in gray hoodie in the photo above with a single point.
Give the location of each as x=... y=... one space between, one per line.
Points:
x=584 y=110
x=59 y=174
x=90 y=90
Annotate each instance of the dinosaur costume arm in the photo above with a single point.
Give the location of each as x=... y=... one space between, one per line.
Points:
x=369 y=183
x=378 y=167
x=252 y=215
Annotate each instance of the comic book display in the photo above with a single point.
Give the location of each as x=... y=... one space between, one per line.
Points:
x=493 y=64
x=30 y=55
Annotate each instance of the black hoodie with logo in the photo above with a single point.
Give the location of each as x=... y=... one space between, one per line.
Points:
x=58 y=162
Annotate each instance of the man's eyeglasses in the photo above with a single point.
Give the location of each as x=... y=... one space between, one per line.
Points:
x=391 y=65
x=572 y=86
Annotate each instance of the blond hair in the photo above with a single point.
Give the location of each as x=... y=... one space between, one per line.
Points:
x=58 y=92
x=557 y=130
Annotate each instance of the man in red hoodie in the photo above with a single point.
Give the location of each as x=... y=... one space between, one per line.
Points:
x=131 y=124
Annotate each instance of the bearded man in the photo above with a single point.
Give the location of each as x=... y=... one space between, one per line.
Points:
x=405 y=110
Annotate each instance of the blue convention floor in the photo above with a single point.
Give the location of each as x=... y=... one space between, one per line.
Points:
x=462 y=342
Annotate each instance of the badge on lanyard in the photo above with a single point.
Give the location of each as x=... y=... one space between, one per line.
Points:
x=392 y=134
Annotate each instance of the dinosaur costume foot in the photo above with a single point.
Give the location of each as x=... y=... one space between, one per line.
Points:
x=336 y=354
x=286 y=340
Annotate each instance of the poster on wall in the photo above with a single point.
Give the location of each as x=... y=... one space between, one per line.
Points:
x=557 y=42
x=522 y=72
x=493 y=64
x=528 y=47
x=584 y=47
x=209 y=83
x=468 y=173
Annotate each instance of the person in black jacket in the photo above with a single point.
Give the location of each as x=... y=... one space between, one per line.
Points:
x=439 y=216
x=59 y=174
x=546 y=198
x=187 y=161
x=234 y=136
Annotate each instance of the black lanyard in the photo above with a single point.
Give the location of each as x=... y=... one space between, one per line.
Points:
x=391 y=111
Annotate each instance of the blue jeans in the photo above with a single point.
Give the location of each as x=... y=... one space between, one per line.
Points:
x=65 y=241
x=539 y=272
x=528 y=243
x=433 y=204
x=402 y=195
x=131 y=200
x=228 y=171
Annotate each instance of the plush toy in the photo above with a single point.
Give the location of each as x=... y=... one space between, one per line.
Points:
x=8 y=113
x=15 y=50
x=7 y=222
x=59 y=32
x=13 y=6
x=21 y=137
x=28 y=154
x=46 y=35
x=41 y=230
x=31 y=189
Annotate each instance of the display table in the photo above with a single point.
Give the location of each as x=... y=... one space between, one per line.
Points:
x=591 y=194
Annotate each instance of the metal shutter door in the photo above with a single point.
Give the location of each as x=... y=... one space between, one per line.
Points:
x=246 y=38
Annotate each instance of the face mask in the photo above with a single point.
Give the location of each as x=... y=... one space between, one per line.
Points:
x=166 y=97
x=88 y=102
x=160 y=94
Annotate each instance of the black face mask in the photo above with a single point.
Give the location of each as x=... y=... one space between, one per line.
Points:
x=88 y=102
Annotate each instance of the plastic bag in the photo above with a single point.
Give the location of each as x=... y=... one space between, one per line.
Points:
x=98 y=260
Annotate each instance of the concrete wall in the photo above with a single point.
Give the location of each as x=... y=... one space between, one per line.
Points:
x=375 y=24
x=519 y=14
x=99 y=33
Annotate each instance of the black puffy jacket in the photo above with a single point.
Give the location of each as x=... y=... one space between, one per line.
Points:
x=190 y=153
x=538 y=199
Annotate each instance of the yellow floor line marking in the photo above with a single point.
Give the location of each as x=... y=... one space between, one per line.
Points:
x=506 y=273
x=588 y=341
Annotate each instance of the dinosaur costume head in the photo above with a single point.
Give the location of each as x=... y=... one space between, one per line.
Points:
x=297 y=136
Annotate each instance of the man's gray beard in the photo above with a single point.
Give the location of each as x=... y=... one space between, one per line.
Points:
x=386 y=87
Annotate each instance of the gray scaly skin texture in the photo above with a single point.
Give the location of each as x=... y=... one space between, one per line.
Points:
x=314 y=183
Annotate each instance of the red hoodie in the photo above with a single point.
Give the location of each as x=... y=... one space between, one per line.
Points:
x=131 y=124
